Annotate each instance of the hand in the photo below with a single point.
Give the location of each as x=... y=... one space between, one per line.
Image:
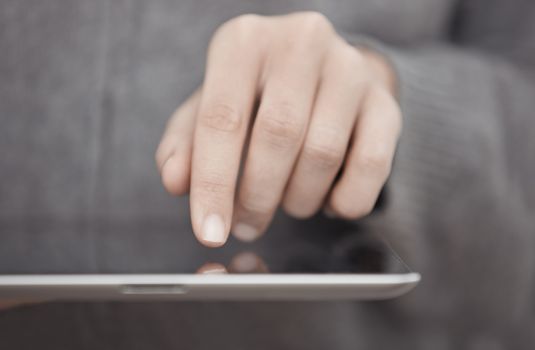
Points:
x=323 y=105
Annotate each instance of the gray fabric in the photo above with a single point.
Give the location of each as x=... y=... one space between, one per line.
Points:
x=86 y=88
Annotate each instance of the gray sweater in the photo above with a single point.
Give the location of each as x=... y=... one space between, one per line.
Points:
x=85 y=90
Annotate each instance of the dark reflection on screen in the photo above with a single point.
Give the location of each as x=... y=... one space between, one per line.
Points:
x=366 y=255
x=319 y=245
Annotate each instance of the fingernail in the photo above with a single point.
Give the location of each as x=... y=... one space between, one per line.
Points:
x=245 y=232
x=213 y=229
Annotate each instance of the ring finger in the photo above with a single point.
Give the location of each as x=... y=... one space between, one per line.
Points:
x=328 y=134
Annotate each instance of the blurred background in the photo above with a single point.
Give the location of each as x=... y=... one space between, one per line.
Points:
x=86 y=88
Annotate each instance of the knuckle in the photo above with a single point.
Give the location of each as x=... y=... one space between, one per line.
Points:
x=316 y=21
x=280 y=126
x=378 y=95
x=240 y=31
x=245 y=21
x=213 y=184
x=313 y=33
x=351 y=57
x=349 y=60
x=255 y=203
x=324 y=154
x=222 y=117
x=374 y=161
x=240 y=26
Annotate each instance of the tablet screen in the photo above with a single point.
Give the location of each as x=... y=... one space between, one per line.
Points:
x=317 y=246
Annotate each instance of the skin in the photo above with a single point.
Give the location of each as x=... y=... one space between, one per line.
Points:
x=294 y=104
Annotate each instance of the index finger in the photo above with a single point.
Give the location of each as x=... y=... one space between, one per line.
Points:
x=228 y=96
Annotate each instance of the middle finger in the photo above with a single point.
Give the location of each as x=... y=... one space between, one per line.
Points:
x=277 y=135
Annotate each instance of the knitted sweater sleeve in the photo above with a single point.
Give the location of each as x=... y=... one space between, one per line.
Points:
x=460 y=202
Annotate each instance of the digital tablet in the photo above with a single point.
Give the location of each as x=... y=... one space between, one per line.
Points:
x=350 y=265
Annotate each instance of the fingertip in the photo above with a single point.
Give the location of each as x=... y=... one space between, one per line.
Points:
x=175 y=176
x=245 y=232
x=213 y=233
x=300 y=209
x=349 y=204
